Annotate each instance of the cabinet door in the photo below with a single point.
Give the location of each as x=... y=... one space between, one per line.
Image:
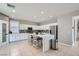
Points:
x=17 y=37
x=12 y=38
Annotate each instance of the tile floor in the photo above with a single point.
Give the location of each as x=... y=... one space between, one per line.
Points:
x=23 y=48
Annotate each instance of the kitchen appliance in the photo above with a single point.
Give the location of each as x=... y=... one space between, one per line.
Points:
x=54 y=42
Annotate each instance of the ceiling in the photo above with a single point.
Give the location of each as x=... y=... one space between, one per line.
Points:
x=38 y=12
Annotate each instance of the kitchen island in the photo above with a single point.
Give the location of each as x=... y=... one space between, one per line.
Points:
x=45 y=41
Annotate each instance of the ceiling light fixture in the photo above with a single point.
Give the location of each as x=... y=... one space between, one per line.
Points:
x=50 y=16
x=42 y=12
x=13 y=10
x=34 y=16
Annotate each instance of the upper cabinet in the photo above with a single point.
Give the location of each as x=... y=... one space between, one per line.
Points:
x=25 y=27
x=14 y=26
x=35 y=27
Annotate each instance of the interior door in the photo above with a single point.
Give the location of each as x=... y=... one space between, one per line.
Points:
x=4 y=32
x=74 y=31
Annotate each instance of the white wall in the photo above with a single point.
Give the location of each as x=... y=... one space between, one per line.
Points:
x=65 y=27
x=65 y=30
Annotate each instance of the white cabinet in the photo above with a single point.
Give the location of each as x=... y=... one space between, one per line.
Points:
x=14 y=26
x=23 y=36
x=25 y=27
x=17 y=37
x=43 y=27
x=12 y=37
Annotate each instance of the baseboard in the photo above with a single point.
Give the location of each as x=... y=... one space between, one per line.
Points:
x=11 y=42
x=64 y=44
x=4 y=44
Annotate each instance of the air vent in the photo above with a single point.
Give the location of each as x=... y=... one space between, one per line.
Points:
x=10 y=5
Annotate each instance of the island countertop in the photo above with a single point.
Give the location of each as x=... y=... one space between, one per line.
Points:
x=46 y=40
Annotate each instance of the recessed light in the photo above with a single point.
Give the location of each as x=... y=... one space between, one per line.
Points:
x=42 y=12
x=34 y=16
x=42 y=19
x=50 y=16
x=13 y=11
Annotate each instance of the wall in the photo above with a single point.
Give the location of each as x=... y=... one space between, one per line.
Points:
x=27 y=22
x=53 y=20
x=65 y=30
x=65 y=27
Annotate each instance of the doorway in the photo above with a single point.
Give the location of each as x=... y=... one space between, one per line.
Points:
x=3 y=32
x=75 y=31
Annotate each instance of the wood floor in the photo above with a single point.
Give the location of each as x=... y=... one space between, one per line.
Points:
x=23 y=48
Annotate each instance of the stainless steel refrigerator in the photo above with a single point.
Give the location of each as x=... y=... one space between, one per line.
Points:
x=54 y=42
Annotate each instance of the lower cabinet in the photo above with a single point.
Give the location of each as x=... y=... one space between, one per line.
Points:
x=12 y=37
x=17 y=37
